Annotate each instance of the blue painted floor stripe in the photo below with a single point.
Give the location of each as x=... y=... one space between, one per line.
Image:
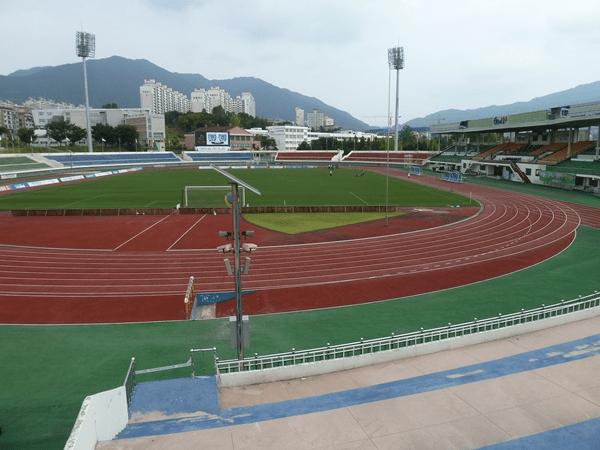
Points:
x=579 y=436
x=523 y=362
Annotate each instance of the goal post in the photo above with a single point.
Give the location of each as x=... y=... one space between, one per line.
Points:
x=209 y=196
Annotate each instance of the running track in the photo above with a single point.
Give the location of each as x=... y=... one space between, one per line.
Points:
x=128 y=269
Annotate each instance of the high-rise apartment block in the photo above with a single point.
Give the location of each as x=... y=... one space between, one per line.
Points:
x=316 y=120
x=208 y=99
x=299 y=116
x=160 y=99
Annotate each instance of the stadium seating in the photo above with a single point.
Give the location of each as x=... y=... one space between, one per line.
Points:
x=220 y=156
x=400 y=157
x=564 y=153
x=307 y=155
x=113 y=159
x=506 y=148
x=19 y=164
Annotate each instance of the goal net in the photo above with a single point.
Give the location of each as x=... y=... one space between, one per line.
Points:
x=210 y=196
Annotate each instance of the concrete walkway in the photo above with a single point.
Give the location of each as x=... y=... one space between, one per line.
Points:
x=540 y=390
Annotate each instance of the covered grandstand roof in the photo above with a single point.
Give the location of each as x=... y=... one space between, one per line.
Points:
x=560 y=117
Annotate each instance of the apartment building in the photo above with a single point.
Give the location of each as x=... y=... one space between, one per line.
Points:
x=160 y=99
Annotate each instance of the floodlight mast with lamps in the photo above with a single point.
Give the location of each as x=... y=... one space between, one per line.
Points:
x=86 y=48
x=396 y=62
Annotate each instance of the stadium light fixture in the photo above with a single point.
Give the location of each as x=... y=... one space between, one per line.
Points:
x=396 y=62
x=85 y=46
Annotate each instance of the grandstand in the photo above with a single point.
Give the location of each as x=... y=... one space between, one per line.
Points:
x=219 y=157
x=530 y=143
x=298 y=156
x=12 y=163
x=112 y=159
x=400 y=157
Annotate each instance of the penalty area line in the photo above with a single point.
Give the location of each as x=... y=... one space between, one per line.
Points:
x=358 y=198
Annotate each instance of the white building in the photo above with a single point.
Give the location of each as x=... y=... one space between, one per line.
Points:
x=208 y=99
x=244 y=104
x=288 y=137
x=160 y=99
x=150 y=126
x=315 y=120
x=299 y=116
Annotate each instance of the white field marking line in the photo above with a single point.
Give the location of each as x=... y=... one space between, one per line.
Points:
x=188 y=230
x=85 y=200
x=358 y=197
x=141 y=232
x=150 y=203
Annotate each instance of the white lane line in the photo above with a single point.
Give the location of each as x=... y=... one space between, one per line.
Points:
x=141 y=232
x=189 y=229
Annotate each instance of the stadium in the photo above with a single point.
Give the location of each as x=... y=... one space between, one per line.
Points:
x=434 y=252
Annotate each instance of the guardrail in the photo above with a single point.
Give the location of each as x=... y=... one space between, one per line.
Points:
x=407 y=340
x=130 y=381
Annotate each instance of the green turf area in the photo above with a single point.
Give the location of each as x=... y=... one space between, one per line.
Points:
x=47 y=371
x=279 y=187
x=305 y=222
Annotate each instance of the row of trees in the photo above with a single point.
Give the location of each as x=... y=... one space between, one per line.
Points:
x=187 y=122
x=407 y=140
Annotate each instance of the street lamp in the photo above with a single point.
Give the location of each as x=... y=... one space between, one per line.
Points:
x=86 y=48
x=237 y=270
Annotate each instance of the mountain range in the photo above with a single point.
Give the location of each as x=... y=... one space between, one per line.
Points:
x=117 y=80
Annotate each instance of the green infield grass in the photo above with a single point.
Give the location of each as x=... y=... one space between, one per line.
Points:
x=279 y=187
x=305 y=222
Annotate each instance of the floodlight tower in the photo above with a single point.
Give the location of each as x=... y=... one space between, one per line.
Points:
x=396 y=61
x=86 y=48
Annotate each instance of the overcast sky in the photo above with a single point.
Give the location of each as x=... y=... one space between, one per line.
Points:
x=458 y=54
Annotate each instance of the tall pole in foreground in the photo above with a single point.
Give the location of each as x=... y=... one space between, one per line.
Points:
x=396 y=61
x=86 y=47
x=237 y=271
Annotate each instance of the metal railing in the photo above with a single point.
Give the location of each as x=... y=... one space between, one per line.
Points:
x=130 y=381
x=409 y=339
x=202 y=364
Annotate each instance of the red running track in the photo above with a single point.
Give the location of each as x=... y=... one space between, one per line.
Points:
x=130 y=269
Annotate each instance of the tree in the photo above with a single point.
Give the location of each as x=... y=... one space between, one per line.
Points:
x=409 y=141
x=110 y=106
x=127 y=135
x=303 y=146
x=26 y=135
x=57 y=130
x=104 y=133
x=220 y=116
x=171 y=118
x=75 y=133
x=266 y=143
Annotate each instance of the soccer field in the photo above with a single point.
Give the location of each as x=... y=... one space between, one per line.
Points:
x=291 y=187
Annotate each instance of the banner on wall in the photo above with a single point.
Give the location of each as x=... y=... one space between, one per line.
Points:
x=558 y=178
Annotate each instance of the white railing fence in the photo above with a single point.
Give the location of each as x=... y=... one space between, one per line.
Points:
x=393 y=342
